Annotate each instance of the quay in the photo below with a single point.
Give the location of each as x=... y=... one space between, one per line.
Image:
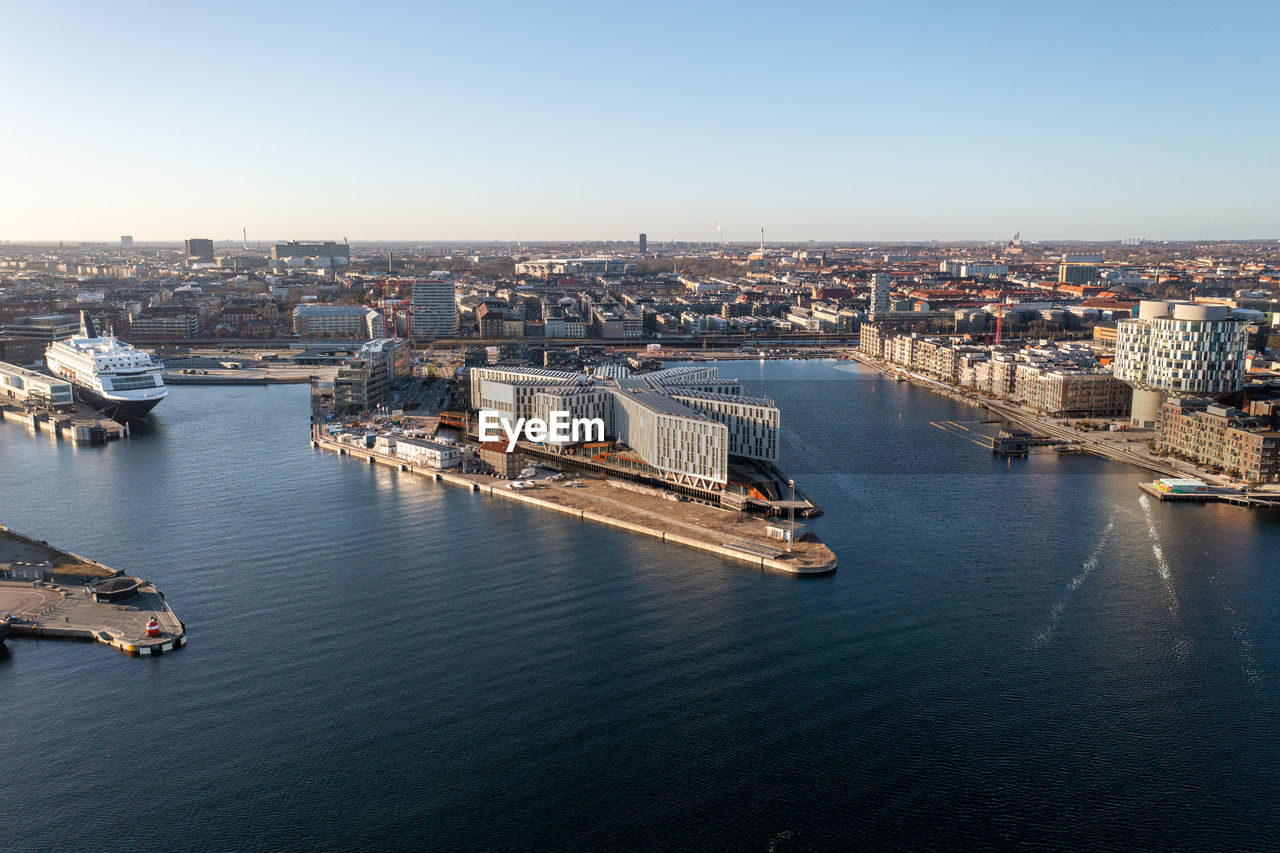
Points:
x=1074 y=440
x=1209 y=494
x=47 y=403
x=729 y=534
x=81 y=424
x=48 y=593
x=235 y=377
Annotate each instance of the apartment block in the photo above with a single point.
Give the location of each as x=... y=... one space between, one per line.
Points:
x=1222 y=437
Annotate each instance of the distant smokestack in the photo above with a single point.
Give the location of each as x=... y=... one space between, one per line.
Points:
x=244 y=232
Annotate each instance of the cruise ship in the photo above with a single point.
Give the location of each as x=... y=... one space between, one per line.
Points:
x=106 y=373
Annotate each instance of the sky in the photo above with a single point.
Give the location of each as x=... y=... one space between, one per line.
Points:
x=596 y=121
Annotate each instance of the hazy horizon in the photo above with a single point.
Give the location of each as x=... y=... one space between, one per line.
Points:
x=921 y=122
x=266 y=242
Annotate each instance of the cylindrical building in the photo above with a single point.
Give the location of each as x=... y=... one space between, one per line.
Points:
x=1178 y=349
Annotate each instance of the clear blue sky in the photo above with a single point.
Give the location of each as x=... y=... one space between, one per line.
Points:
x=554 y=120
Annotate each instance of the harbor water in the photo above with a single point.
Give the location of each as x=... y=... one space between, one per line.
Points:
x=1012 y=652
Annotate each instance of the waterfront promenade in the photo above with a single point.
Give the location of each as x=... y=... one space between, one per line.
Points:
x=1129 y=446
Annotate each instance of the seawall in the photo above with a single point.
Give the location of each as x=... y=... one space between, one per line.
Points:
x=821 y=563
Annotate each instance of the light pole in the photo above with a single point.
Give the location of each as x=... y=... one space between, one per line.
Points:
x=791 y=510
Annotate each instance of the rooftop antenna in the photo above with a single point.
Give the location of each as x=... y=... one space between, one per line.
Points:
x=761 y=244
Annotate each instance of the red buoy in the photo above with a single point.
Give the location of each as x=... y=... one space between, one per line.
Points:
x=153 y=628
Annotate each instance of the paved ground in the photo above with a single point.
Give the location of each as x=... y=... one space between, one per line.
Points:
x=275 y=373
x=74 y=608
x=20 y=599
x=707 y=523
x=22 y=555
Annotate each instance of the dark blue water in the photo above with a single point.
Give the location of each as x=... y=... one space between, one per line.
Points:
x=1011 y=654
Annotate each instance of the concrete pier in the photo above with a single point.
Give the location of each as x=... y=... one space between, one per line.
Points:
x=733 y=535
x=54 y=594
x=79 y=424
x=50 y=611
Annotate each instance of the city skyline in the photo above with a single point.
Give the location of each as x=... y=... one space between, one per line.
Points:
x=571 y=122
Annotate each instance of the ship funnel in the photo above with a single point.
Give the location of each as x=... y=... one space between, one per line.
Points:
x=86 y=325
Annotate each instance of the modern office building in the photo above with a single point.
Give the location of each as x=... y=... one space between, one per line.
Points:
x=644 y=242
x=1178 y=349
x=361 y=385
x=338 y=321
x=545 y=267
x=686 y=446
x=395 y=355
x=126 y=241
x=326 y=252
x=511 y=392
x=1077 y=274
x=435 y=311
x=199 y=250
x=681 y=424
x=752 y=422
x=982 y=270
x=46 y=327
x=165 y=324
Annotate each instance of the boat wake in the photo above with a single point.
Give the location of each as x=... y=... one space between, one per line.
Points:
x=1042 y=638
x=1182 y=645
x=1240 y=631
x=779 y=838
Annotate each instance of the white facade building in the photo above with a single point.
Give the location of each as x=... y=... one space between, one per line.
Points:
x=339 y=321
x=881 y=284
x=1178 y=349
x=19 y=384
x=435 y=311
x=688 y=447
x=753 y=422
x=683 y=422
x=431 y=454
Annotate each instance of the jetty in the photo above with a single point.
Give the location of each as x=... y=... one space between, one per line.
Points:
x=48 y=593
x=1192 y=490
x=739 y=536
